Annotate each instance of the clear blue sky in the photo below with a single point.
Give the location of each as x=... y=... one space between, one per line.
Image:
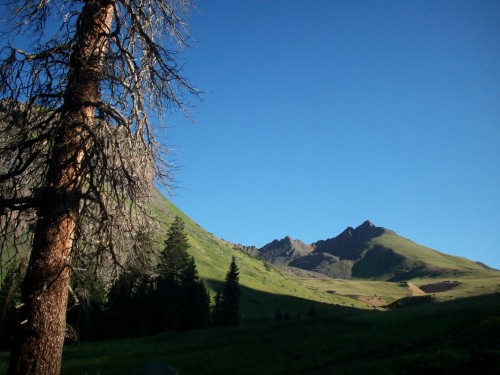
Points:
x=318 y=115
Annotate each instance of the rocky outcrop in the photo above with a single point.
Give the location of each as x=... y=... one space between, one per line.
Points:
x=350 y=244
x=333 y=257
x=282 y=252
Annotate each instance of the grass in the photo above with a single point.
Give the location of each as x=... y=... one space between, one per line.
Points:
x=418 y=254
x=452 y=337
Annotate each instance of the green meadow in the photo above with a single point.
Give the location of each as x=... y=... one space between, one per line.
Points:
x=455 y=337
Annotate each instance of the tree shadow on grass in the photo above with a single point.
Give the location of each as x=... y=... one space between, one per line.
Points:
x=258 y=306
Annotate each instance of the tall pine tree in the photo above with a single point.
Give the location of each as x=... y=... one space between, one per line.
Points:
x=175 y=257
x=230 y=298
x=180 y=300
x=195 y=299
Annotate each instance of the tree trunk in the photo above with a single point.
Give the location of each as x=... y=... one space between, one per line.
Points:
x=40 y=339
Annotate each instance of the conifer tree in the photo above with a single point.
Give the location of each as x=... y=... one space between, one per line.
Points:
x=230 y=299
x=168 y=299
x=128 y=310
x=195 y=298
x=175 y=257
x=216 y=309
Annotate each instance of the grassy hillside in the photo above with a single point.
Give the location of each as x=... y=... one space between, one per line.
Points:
x=265 y=288
x=392 y=257
x=431 y=258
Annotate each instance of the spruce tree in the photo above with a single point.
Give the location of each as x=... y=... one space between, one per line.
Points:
x=230 y=299
x=175 y=257
x=118 y=315
x=174 y=268
x=216 y=309
x=195 y=299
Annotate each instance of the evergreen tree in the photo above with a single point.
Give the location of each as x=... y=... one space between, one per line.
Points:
x=216 y=309
x=117 y=316
x=180 y=301
x=175 y=256
x=195 y=298
x=230 y=299
x=312 y=312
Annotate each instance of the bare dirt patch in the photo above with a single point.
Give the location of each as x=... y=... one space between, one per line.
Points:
x=372 y=301
x=415 y=290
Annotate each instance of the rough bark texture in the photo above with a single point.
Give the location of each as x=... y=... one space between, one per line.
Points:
x=45 y=288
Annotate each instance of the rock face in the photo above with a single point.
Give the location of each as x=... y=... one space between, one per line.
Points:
x=334 y=257
x=365 y=252
x=252 y=250
x=350 y=243
x=282 y=252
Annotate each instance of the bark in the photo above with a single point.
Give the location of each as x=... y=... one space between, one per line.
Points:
x=45 y=288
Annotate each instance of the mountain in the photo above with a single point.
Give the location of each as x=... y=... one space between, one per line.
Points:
x=349 y=270
x=264 y=286
x=281 y=252
x=368 y=252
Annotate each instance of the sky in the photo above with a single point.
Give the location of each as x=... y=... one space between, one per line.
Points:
x=318 y=115
x=321 y=114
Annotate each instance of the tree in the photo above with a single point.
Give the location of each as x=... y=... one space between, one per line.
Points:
x=167 y=297
x=230 y=298
x=127 y=313
x=216 y=309
x=175 y=257
x=78 y=154
x=180 y=301
x=195 y=298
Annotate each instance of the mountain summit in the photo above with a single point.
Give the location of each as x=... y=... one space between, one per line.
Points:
x=350 y=243
x=281 y=252
x=367 y=251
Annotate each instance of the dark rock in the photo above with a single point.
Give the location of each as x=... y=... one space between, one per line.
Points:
x=281 y=252
x=350 y=244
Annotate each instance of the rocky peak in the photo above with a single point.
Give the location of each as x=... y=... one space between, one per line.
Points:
x=367 y=224
x=282 y=251
x=368 y=230
x=349 y=243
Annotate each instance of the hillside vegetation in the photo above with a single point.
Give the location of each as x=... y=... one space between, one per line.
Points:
x=375 y=282
x=265 y=288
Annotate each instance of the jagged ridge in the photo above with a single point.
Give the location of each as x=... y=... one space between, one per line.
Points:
x=366 y=251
